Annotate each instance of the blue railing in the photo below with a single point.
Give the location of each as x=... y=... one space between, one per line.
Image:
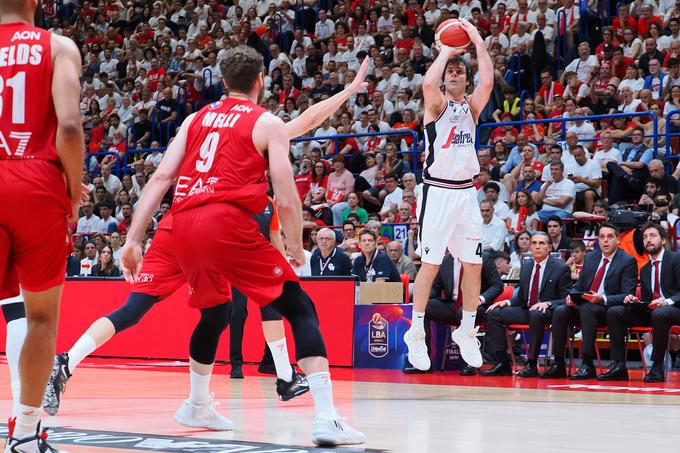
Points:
x=336 y=139
x=564 y=120
x=115 y=170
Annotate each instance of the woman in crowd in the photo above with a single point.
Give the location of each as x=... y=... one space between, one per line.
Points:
x=105 y=267
x=524 y=215
x=522 y=241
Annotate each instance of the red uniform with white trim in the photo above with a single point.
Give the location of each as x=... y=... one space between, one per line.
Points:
x=33 y=199
x=221 y=185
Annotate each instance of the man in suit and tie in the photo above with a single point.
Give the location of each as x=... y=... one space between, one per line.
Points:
x=608 y=276
x=543 y=285
x=446 y=296
x=659 y=286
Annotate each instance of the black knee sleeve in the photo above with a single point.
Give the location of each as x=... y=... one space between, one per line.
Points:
x=14 y=311
x=206 y=336
x=270 y=314
x=296 y=306
x=134 y=309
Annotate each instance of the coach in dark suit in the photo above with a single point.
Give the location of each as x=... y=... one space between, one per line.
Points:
x=445 y=297
x=659 y=285
x=543 y=285
x=608 y=276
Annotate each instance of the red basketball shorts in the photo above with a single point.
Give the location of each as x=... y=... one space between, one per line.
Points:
x=33 y=211
x=220 y=244
x=160 y=275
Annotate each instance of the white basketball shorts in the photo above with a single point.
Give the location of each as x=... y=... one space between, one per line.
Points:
x=449 y=218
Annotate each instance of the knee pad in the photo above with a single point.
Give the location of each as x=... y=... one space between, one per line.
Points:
x=132 y=312
x=206 y=336
x=270 y=314
x=13 y=311
x=296 y=306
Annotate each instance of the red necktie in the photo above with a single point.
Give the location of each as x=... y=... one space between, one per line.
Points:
x=597 y=281
x=535 y=283
x=657 y=292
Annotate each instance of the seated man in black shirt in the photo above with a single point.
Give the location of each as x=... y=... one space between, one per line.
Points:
x=328 y=259
x=371 y=265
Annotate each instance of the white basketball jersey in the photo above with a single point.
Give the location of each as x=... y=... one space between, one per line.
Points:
x=450 y=154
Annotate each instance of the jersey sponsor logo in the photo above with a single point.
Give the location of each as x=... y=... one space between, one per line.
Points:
x=183 y=183
x=22 y=139
x=145 y=278
x=26 y=35
x=21 y=54
x=459 y=138
x=241 y=108
x=215 y=105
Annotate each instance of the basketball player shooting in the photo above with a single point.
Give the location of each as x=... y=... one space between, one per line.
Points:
x=448 y=212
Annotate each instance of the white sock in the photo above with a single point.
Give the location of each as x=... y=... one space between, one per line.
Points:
x=16 y=334
x=200 y=388
x=279 y=352
x=27 y=421
x=322 y=392
x=467 y=323
x=83 y=347
x=418 y=321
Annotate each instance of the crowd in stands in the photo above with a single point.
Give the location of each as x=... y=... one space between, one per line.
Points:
x=148 y=64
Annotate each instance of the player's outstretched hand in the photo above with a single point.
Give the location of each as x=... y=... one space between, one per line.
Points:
x=358 y=83
x=131 y=261
x=472 y=31
x=297 y=255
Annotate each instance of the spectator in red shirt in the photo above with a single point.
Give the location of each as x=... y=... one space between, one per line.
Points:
x=604 y=50
x=622 y=21
x=405 y=42
x=304 y=177
x=408 y=122
x=619 y=62
x=549 y=89
x=288 y=90
x=646 y=19
x=154 y=74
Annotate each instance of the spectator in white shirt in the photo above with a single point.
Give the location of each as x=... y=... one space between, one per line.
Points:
x=87 y=263
x=107 y=224
x=494 y=230
x=587 y=177
x=325 y=27
x=585 y=66
x=501 y=209
x=89 y=223
x=111 y=181
x=557 y=194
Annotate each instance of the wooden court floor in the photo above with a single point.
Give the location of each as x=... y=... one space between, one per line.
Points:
x=119 y=406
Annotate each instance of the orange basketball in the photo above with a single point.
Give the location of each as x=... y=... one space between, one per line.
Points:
x=451 y=33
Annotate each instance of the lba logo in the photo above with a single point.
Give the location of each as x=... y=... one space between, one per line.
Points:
x=378 y=336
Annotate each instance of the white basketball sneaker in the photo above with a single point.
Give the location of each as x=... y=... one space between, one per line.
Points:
x=333 y=431
x=202 y=416
x=417 y=349
x=469 y=346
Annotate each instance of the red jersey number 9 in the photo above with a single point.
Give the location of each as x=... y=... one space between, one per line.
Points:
x=207 y=152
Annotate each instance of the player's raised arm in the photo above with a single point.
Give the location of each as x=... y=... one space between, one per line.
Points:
x=270 y=133
x=154 y=190
x=435 y=101
x=315 y=115
x=480 y=96
x=65 y=95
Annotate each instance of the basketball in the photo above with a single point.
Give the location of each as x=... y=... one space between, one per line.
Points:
x=451 y=33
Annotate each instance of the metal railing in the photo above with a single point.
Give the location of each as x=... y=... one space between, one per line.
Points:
x=565 y=120
x=336 y=140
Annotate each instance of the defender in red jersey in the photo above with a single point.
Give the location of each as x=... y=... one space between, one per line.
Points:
x=161 y=275
x=41 y=159
x=218 y=159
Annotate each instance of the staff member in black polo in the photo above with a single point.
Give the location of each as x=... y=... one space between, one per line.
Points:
x=328 y=259
x=608 y=276
x=659 y=286
x=372 y=265
x=543 y=285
